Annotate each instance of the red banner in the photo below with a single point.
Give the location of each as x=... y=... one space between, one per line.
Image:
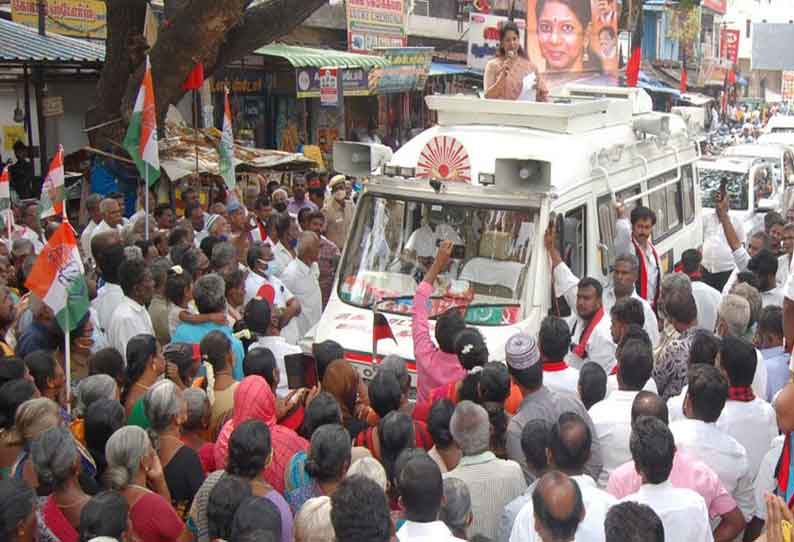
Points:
x=729 y=45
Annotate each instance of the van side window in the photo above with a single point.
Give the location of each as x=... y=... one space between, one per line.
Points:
x=688 y=185
x=607 y=219
x=788 y=168
x=573 y=240
x=666 y=203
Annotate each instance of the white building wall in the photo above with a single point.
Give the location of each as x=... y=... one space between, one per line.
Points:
x=742 y=13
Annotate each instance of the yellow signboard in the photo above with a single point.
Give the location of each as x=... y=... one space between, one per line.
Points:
x=80 y=18
x=13 y=133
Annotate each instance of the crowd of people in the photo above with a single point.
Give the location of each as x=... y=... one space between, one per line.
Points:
x=659 y=410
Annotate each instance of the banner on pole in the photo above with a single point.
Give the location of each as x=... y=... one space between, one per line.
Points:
x=729 y=44
x=375 y=23
x=329 y=87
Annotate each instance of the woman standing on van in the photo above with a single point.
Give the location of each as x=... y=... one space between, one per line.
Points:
x=505 y=74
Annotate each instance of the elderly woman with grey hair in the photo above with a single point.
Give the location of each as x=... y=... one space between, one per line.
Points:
x=93 y=388
x=196 y=426
x=313 y=521
x=166 y=409
x=134 y=470
x=456 y=507
x=57 y=465
x=209 y=293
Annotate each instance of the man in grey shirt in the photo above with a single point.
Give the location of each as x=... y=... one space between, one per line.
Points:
x=526 y=370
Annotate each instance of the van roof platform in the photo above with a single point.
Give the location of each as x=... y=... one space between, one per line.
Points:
x=576 y=109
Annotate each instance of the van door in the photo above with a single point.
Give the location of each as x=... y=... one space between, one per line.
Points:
x=572 y=242
x=788 y=180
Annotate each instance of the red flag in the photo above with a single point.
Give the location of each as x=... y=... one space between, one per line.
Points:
x=731 y=76
x=381 y=329
x=635 y=58
x=683 y=74
x=195 y=78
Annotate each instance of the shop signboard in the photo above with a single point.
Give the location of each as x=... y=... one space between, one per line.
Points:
x=787 y=89
x=729 y=45
x=52 y=106
x=484 y=38
x=329 y=87
x=375 y=23
x=80 y=18
x=407 y=72
x=354 y=82
x=240 y=82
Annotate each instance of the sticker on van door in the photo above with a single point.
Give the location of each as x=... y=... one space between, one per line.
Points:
x=444 y=158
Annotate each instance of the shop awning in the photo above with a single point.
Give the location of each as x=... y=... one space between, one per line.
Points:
x=444 y=68
x=22 y=44
x=654 y=85
x=305 y=57
x=695 y=98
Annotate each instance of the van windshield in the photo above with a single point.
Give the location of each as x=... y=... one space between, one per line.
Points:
x=394 y=243
x=736 y=186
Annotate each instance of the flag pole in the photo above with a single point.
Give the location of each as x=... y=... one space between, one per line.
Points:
x=67 y=364
x=146 y=201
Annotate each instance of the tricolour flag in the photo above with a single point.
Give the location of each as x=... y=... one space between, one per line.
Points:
x=141 y=138
x=5 y=200
x=53 y=189
x=58 y=278
x=226 y=148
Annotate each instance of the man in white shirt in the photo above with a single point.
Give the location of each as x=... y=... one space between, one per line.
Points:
x=591 y=338
x=764 y=266
x=109 y=257
x=784 y=261
x=635 y=238
x=423 y=242
x=624 y=276
x=261 y=321
x=707 y=298
x=569 y=448
x=633 y=522
x=554 y=340
x=300 y=277
x=733 y=318
x=111 y=218
x=283 y=252
x=717 y=252
x=262 y=284
x=421 y=493
x=560 y=508
x=682 y=511
x=612 y=416
x=699 y=436
x=95 y=217
x=131 y=317
x=747 y=418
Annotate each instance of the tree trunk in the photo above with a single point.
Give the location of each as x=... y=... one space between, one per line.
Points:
x=214 y=32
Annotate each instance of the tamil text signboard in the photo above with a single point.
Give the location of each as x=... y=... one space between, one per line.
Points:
x=80 y=18
x=375 y=23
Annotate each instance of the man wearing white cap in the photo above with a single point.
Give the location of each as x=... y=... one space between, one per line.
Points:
x=338 y=212
x=526 y=371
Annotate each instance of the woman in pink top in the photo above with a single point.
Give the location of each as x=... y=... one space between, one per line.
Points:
x=505 y=74
x=435 y=366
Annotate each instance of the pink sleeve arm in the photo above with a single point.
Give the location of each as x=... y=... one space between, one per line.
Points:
x=423 y=344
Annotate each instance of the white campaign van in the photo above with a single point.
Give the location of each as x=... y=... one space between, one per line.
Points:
x=490 y=176
x=747 y=182
x=780 y=124
x=780 y=159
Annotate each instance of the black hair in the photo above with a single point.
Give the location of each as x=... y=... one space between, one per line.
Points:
x=234 y=279
x=470 y=348
x=181 y=355
x=360 y=511
x=490 y=388
x=304 y=214
x=329 y=453
x=531 y=378
x=773 y=218
x=690 y=261
x=323 y=409
x=395 y=434
x=385 y=393
x=17 y=502
x=707 y=392
x=41 y=364
x=592 y=384
x=448 y=325
x=421 y=488
x=680 y=306
x=223 y=502
x=249 y=449
x=11 y=369
x=554 y=338
x=178 y=236
x=560 y=528
x=132 y=273
x=144 y=245
x=326 y=352
x=215 y=346
x=256 y=514
x=642 y=213
x=262 y=200
x=139 y=350
x=282 y=223
x=628 y=311
x=160 y=209
x=438 y=423
x=652 y=448
x=257 y=316
x=647 y=403
x=771 y=321
x=107 y=361
x=704 y=347
x=504 y=28
x=635 y=364
x=570 y=441
x=12 y=394
x=535 y=439
x=633 y=522
x=102 y=418
x=105 y=514
x=764 y=266
x=748 y=277
x=738 y=359
x=190 y=260
x=175 y=285
x=109 y=259
x=634 y=331
x=590 y=282
x=208 y=244
x=261 y=362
